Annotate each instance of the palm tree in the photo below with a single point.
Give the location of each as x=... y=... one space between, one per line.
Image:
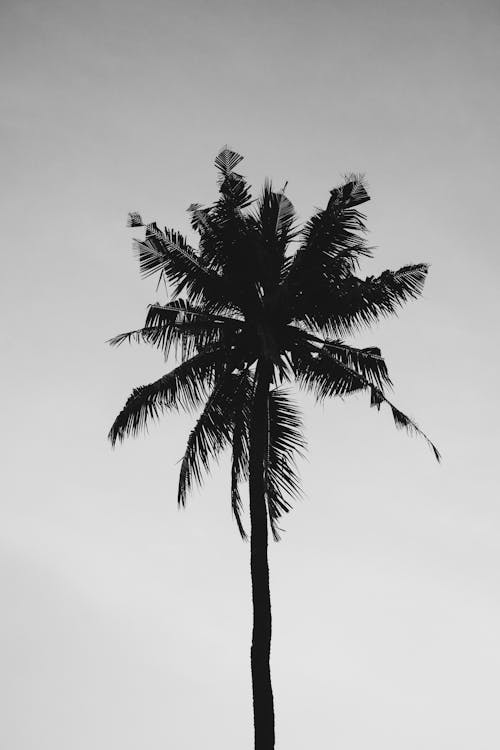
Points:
x=261 y=304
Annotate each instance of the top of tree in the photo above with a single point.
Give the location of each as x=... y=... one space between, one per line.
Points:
x=260 y=288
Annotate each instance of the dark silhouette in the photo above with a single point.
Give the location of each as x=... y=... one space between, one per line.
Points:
x=247 y=314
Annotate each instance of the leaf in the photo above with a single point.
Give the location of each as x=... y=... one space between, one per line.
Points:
x=286 y=442
x=212 y=432
x=403 y=422
x=227 y=160
x=184 y=387
x=349 y=304
x=169 y=255
x=352 y=193
x=241 y=448
x=200 y=218
x=134 y=219
x=368 y=362
x=331 y=248
x=313 y=372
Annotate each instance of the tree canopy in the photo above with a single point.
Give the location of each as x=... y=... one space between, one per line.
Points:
x=259 y=287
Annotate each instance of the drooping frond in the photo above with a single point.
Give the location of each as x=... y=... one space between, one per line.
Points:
x=401 y=420
x=239 y=471
x=321 y=373
x=230 y=248
x=185 y=338
x=241 y=445
x=276 y=216
x=227 y=236
x=325 y=374
x=190 y=329
x=184 y=387
x=285 y=442
x=213 y=430
x=368 y=362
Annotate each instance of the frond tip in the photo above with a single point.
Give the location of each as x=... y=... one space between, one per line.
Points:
x=227 y=160
x=134 y=219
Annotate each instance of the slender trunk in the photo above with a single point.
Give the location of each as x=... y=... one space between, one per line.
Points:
x=263 y=708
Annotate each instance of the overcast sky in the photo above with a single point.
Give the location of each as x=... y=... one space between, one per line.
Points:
x=126 y=623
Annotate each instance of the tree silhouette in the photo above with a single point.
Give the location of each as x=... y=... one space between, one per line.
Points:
x=260 y=304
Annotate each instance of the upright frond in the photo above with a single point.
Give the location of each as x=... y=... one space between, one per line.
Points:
x=227 y=160
x=274 y=230
x=320 y=372
x=233 y=186
x=332 y=245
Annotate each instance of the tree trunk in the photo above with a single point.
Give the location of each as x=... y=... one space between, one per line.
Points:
x=263 y=708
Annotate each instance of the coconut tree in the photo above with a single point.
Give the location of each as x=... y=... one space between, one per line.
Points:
x=261 y=304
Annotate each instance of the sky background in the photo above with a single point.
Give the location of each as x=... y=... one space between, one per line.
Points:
x=126 y=623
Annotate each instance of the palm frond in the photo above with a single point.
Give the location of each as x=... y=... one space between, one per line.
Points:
x=182 y=327
x=351 y=193
x=134 y=219
x=185 y=387
x=368 y=362
x=169 y=255
x=241 y=446
x=227 y=160
x=331 y=248
x=189 y=329
x=274 y=218
x=340 y=225
x=212 y=432
x=285 y=443
x=232 y=186
x=321 y=373
x=358 y=303
x=325 y=374
x=236 y=478
x=401 y=420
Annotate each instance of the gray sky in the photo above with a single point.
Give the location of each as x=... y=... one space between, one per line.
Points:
x=125 y=623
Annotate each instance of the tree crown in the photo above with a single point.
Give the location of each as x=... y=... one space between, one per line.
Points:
x=260 y=288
